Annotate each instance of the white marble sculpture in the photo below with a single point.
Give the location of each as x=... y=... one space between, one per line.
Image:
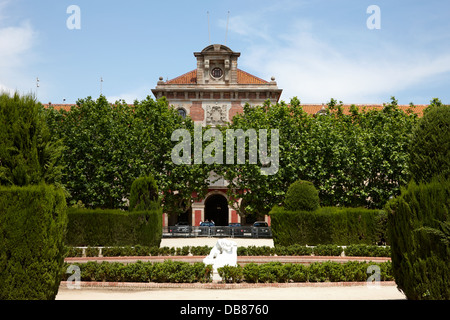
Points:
x=223 y=253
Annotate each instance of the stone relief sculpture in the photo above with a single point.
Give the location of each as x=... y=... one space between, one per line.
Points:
x=216 y=115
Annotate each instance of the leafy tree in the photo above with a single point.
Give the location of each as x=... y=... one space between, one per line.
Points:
x=111 y=145
x=356 y=159
x=28 y=155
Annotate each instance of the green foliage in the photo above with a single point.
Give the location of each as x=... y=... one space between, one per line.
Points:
x=430 y=144
x=114 y=227
x=357 y=250
x=167 y=271
x=328 y=225
x=231 y=274
x=293 y=250
x=355 y=160
x=144 y=194
x=275 y=272
x=362 y=250
x=301 y=195
x=27 y=153
x=109 y=146
x=420 y=258
x=327 y=250
x=33 y=223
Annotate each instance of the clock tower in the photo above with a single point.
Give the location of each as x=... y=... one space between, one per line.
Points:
x=211 y=95
x=217 y=89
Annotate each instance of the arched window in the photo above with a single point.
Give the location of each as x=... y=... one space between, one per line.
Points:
x=182 y=113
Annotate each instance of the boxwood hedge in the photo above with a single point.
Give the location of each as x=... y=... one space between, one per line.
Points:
x=328 y=225
x=33 y=222
x=113 y=227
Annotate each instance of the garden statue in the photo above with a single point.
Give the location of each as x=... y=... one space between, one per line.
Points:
x=223 y=253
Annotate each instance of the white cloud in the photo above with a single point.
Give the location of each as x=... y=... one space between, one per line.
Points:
x=15 y=47
x=137 y=94
x=316 y=70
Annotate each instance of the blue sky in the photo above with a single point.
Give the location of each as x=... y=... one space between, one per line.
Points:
x=317 y=50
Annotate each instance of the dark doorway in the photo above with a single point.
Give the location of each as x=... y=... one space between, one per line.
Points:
x=182 y=217
x=216 y=209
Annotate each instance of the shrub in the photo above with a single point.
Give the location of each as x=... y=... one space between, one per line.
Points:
x=231 y=274
x=420 y=258
x=362 y=250
x=144 y=194
x=114 y=227
x=251 y=272
x=298 y=272
x=327 y=225
x=33 y=223
x=430 y=144
x=301 y=195
x=201 y=250
x=27 y=153
x=293 y=250
x=327 y=250
x=272 y=272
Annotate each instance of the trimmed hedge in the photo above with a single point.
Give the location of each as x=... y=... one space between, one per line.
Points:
x=167 y=271
x=33 y=222
x=275 y=272
x=328 y=225
x=362 y=250
x=114 y=227
x=359 y=250
x=419 y=232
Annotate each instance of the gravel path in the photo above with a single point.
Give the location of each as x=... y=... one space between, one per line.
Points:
x=360 y=292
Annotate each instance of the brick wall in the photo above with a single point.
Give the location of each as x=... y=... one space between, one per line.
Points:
x=197 y=113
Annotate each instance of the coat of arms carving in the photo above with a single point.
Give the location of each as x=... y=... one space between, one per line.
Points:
x=216 y=115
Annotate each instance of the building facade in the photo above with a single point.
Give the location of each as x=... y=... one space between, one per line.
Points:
x=211 y=95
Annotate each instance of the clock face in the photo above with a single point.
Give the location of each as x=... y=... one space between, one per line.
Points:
x=216 y=73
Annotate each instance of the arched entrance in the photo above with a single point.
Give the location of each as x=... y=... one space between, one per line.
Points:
x=216 y=209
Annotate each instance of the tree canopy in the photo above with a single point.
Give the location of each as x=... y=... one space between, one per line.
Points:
x=111 y=145
x=355 y=159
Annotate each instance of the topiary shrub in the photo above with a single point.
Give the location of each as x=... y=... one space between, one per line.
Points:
x=418 y=227
x=113 y=227
x=327 y=225
x=144 y=194
x=430 y=144
x=302 y=195
x=33 y=222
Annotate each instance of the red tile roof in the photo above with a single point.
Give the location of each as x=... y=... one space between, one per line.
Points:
x=187 y=78
x=65 y=107
x=247 y=78
x=242 y=78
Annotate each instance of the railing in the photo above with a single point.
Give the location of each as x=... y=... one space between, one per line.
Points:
x=217 y=231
